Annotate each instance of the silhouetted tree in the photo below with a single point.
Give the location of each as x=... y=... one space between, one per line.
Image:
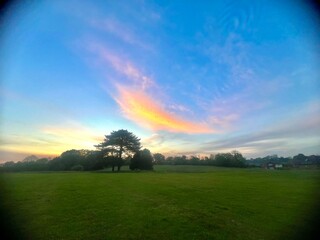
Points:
x=170 y=160
x=237 y=159
x=159 y=158
x=95 y=160
x=180 y=160
x=30 y=158
x=194 y=160
x=118 y=144
x=142 y=160
x=299 y=159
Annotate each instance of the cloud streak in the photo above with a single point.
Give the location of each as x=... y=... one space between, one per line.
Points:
x=302 y=130
x=119 y=30
x=133 y=89
x=122 y=66
x=142 y=109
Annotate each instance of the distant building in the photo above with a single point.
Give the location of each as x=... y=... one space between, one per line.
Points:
x=271 y=165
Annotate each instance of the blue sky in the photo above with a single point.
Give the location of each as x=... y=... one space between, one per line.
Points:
x=186 y=77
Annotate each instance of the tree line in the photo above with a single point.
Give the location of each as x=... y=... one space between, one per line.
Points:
x=295 y=161
x=231 y=159
x=91 y=160
x=124 y=148
x=117 y=149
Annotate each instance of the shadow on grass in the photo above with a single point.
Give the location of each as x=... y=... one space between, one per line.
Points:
x=9 y=230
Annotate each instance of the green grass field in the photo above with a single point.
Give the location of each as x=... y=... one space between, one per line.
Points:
x=173 y=202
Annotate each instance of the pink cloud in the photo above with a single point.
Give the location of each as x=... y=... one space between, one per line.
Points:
x=122 y=66
x=142 y=109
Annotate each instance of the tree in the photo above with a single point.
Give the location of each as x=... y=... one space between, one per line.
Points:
x=238 y=160
x=119 y=144
x=73 y=157
x=142 y=160
x=30 y=158
x=95 y=160
x=299 y=159
x=233 y=159
x=159 y=158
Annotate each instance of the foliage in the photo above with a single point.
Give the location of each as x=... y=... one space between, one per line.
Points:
x=117 y=144
x=30 y=158
x=67 y=160
x=77 y=168
x=142 y=160
x=40 y=164
x=159 y=159
x=299 y=160
x=232 y=159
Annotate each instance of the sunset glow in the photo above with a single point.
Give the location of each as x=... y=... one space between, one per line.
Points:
x=238 y=75
x=145 y=111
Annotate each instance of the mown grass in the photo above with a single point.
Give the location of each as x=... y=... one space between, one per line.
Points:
x=206 y=203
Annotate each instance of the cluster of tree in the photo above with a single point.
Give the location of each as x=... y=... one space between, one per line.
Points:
x=296 y=161
x=37 y=164
x=116 y=150
x=231 y=159
x=123 y=148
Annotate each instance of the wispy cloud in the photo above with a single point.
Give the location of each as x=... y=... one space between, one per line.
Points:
x=119 y=30
x=142 y=109
x=133 y=89
x=122 y=66
x=285 y=137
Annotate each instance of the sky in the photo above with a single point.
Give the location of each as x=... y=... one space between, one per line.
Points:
x=187 y=77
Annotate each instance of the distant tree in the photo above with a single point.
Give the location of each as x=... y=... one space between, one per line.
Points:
x=159 y=158
x=30 y=158
x=142 y=160
x=314 y=159
x=180 y=160
x=231 y=159
x=194 y=160
x=42 y=160
x=56 y=164
x=223 y=159
x=169 y=160
x=73 y=157
x=299 y=159
x=238 y=160
x=118 y=145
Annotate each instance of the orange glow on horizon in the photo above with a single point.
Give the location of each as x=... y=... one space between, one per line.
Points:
x=142 y=109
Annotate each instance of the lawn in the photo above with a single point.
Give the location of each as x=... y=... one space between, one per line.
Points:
x=173 y=202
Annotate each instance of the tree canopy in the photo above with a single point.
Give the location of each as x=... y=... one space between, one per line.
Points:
x=119 y=144
x=142 y=160
x=159 y=158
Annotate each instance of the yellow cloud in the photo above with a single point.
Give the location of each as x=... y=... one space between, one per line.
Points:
x=142 y=109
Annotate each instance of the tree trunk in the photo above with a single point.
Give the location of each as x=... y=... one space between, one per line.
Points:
x=119 y=168
x=112 y=168
x=120 y=152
